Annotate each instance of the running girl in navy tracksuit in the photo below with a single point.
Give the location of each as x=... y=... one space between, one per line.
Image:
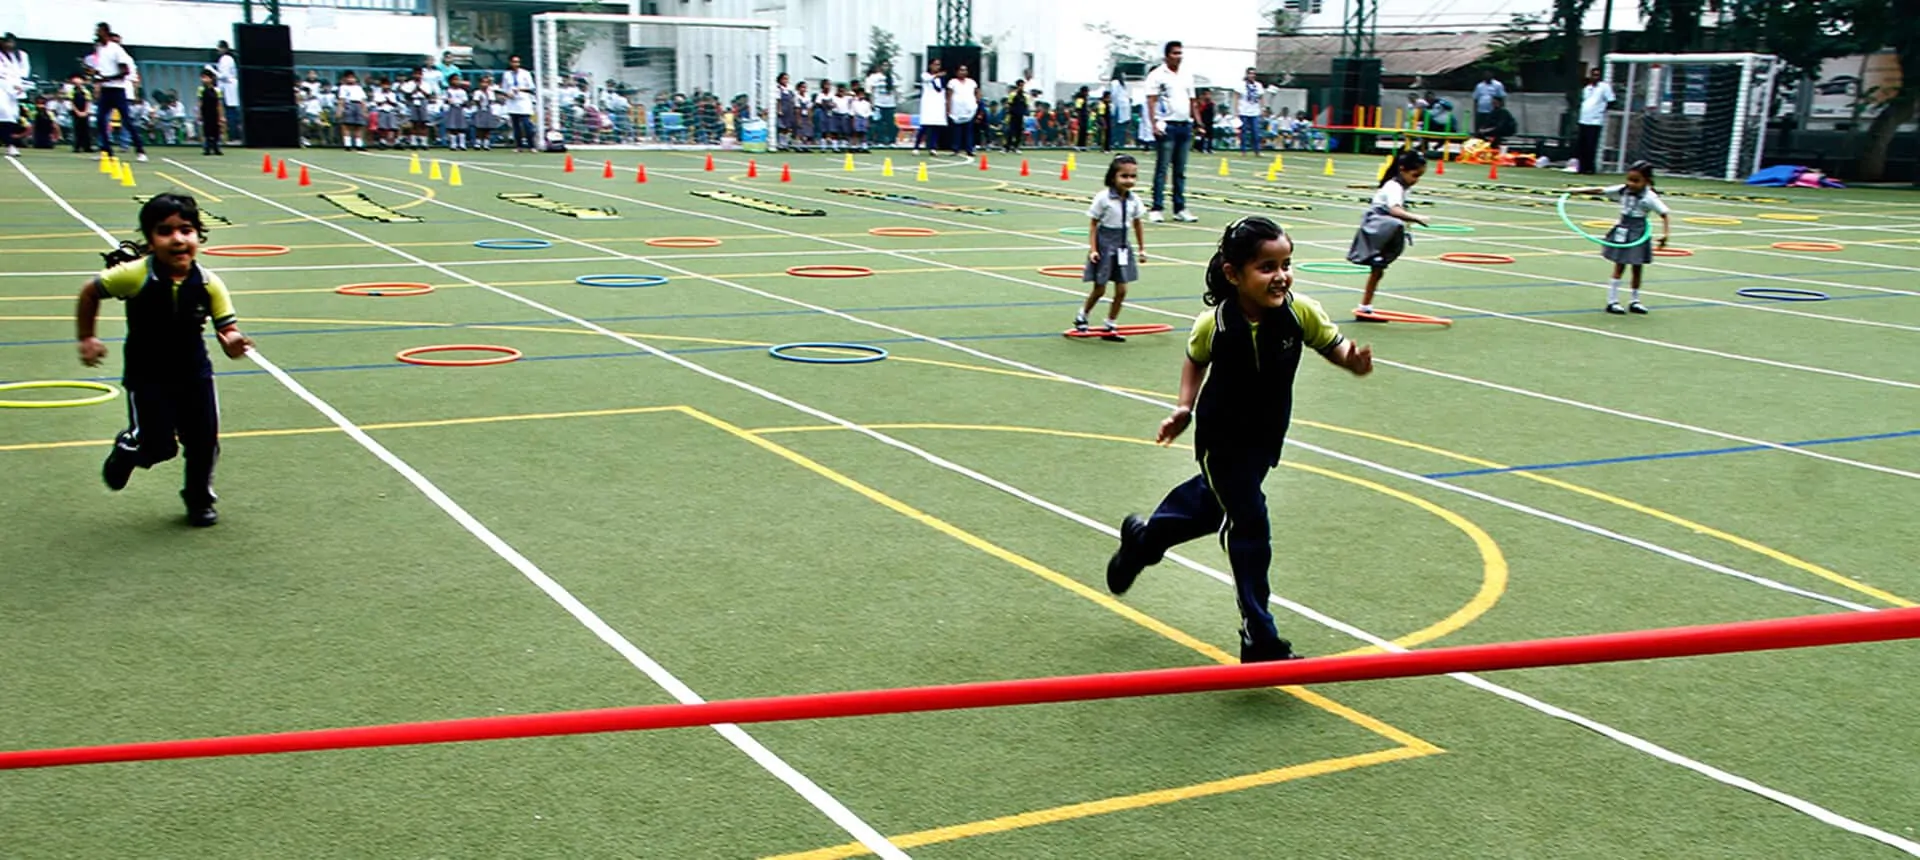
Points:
x=1238 y=378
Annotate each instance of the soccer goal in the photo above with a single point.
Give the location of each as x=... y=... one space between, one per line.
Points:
x=1690 y=114
x=649 y=80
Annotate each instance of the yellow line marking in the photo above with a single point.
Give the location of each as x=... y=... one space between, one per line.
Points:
x=391 y=425
x=1143 y=800
x=197 y=193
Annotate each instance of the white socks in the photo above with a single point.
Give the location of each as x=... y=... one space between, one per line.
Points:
x=1613 y=291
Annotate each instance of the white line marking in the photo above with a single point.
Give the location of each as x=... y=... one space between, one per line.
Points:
x=799 y=782
x=1803 y=806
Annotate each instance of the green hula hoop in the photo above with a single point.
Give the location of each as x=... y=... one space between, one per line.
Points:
x=107 y=392
x=1447 y=228
x=1324 y=268
x=1561 y=207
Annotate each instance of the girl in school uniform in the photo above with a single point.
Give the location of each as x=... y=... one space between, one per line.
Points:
x=1109 y=258
x=1237 y=380
x=843 y=118
x=386 y=114
x=1383 y=229
x=862 y=119
x=351 y=98
x=455 y=121
x=484 y=119
x=1636 y=198
x=412 y=96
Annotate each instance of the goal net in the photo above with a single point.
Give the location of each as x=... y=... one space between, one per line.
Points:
x=648 y=80
x=1689 y=114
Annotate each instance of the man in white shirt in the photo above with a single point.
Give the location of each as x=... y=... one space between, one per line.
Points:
x=1594 y=100
x=518 y=83
x=1249 y=112
x=1122 y=111
x=112 y=67
x=1170 y=109
x=226 y=76
x=1483 y=95
x=884 y=90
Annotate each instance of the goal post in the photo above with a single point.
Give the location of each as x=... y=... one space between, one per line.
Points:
x=1701 y=115
x=653 y=80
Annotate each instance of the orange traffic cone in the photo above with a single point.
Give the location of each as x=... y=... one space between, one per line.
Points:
x=1065 y=174
x=786 y=173
x=266 y=162
x=606 y=171
x=753 y=168
x=1023 y=168
x=569 y=167
x=282 y=172
x=640 y=175
x=1493 y=170
x=1440 y=167
x=983 y=161
x=709 y=162
x=304 y=181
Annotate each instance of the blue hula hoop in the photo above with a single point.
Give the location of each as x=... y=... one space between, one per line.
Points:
x=1782 y=294
x=780 y=353
x=513 y=244
x=620 y=282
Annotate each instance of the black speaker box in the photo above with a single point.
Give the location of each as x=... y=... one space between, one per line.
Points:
x=1355 y=84
x=952 y=57
x=263 y=45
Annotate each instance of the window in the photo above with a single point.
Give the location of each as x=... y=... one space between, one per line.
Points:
x=919 y=64
x=783 y=64
x=1026 y=66
x=853 y=66
x=992 y=63
x=709 y=73
x=1303 y=7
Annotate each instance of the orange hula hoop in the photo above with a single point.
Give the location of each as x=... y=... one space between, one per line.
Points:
x=1062 y=271
x=396 y=288
x=683 y=242
x=245 y=250
x=904 y=232
x=507 y=354
x=1475 y=258
x=826 y=271
x=1810 y=246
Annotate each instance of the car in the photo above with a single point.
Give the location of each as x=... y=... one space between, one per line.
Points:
x=1838 y=86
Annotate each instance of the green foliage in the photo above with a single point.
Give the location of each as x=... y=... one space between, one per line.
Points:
x=572 y=38
x=882 y=47
x=1518 y=44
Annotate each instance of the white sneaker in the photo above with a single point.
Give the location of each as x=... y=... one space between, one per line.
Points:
x=13 y=151
x=141 y=157
x=1184 y=215
x=1156 y=217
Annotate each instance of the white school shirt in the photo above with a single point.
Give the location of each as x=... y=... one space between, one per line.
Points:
x=862 y=108
x=1636 y=205
x=1391 y=194
x=1173 y=91
x=1250 y=92
x=883 y=94
x=112 y=59
x=1593 y=103
x=347 y=94
x=843 y=105
x=966 y=98
x=226 y=76
x=1113 y=212
x=457 y=97
x=513 y=82
x=1122 y=102
x=933 y=99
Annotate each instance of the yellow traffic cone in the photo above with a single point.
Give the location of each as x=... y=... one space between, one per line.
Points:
x=119 y=171
x=1223 y=168
x=126 y=175
x=1273 y=173
x=886 y=167
x=106 y=163
x=453 y=175
x=1384 y=167
x=434 y=173
x=848 y=167
x=1279 y=163
x=413 y=166
x=1071 y=164
x=921 y=175
x=1329 y=170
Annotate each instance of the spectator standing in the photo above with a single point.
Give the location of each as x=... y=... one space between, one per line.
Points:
x=1171 y=111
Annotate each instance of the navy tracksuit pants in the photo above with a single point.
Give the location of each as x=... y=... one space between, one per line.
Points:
x=1226 y=498
x=184 y=409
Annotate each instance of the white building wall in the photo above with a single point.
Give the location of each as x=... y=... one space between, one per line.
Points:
x=199 y=25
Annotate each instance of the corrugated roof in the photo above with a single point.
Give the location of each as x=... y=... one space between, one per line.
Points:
x=1400 y=54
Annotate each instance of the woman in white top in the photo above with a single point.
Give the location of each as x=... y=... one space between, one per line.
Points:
x=963 y=101
x=1383 y=229
x=14 y=70
x=884 y=92
x=933 y=108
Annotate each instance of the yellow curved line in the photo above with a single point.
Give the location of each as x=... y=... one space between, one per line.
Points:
x=1494 y=570
x=1701 y=528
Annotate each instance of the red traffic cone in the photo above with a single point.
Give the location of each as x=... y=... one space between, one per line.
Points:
x=281 y=173
x=753 y=167
x=304 y=181
x=709 y=162
x=569 y=167
x=640 y=175
x=1064 y=174
x=1023 y=168
x=266 y=163
x=983 y=161
x=1440 y=167
x=1493 y=170
x=786 y=173
x=606 y=172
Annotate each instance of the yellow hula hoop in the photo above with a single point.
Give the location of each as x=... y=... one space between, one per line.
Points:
x=1712 y=220
x=107 y=392
x=1788 y=216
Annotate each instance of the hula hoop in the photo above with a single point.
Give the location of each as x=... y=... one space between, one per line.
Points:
x=1446 y=228
x=1073 y=231
x=1561 y=207
x=1810 y=246
x=620 y=282
x=396 y=288
x=825 y=271
x=1672 y=252
x=1788 y=216
x=1598 y=225
x=1476 y=258
x=507 y=354
x=876 y=353
x=1396 y=316
x=683 y=242
x=1324 y=268
x=1782 y=294
x=245 y=250
x=1062 y=271
x=1712 y=220
x=904 y=232
x=1122 y=330
x=513 y=244
x=107 y=392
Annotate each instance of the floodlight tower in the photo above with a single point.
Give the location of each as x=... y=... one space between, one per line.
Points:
x=953 y=22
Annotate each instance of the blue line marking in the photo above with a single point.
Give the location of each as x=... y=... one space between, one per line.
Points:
x=1673 y=455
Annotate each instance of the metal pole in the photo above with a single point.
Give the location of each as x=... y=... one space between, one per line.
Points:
x=1766 y=112
x=1740 y=119
x=769 y=90
x=1626 y=119
x=1606 y=30
x=539 y=62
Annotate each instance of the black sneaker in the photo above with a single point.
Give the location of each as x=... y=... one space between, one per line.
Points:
x=1615 y=308
x=1125 y=565
x=1266 y=652
x=1108 y=332
x=201 y=517
x=117 y=469
x=1636 y=308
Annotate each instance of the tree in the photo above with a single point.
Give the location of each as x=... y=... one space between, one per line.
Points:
x=881 y=47
x=1672 y=26
x=1895 y=26
x=1122 y=48
x=1564 y=46
x=571 y=37
x=1518 y=44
